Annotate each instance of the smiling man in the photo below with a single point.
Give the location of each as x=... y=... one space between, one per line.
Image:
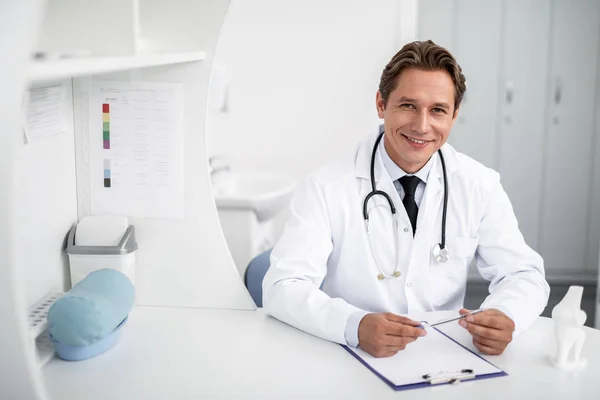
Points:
x=392 y=228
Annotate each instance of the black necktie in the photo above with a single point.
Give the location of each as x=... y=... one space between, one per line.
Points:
x=410 y=183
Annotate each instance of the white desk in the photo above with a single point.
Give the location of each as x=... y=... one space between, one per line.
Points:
x=169 y=353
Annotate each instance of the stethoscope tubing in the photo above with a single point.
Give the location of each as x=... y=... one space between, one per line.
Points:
x=375 y=192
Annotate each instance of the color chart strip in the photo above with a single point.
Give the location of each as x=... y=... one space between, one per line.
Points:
x=106 y=126
x=106 y=173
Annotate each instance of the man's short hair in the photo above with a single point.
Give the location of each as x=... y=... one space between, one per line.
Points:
x=426 y=56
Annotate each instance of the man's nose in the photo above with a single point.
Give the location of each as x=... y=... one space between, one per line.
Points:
x=421 y=122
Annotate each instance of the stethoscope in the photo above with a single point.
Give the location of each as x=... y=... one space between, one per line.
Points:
x=439 y=251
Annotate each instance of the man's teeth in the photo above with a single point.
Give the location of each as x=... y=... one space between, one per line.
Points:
x=416 y=140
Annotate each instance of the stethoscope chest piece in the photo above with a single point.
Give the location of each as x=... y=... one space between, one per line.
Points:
x=440 y=255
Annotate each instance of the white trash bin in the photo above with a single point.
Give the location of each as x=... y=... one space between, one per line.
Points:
x=86 y=259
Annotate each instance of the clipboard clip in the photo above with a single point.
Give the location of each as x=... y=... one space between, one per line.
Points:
x=452 y=377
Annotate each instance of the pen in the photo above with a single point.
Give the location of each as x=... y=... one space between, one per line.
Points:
x=443 y=321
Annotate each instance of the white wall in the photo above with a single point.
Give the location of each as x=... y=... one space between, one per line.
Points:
x=303 y=77
x=46 y=207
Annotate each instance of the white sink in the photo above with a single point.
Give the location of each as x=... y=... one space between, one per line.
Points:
x=264 y=193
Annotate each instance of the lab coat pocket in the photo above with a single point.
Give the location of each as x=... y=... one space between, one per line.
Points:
x=462 y=250
x=449 y=278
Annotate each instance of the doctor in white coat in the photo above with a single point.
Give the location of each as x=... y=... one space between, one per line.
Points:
x=332 y=279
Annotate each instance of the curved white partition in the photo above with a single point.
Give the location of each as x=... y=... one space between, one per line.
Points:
x=19 y=375
x=181 y=262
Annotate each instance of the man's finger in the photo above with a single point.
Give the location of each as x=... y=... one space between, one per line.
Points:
x=494 y=344
x=402 y=320
x=397 y=341
x=486 y=349
x=408 y=339
x=401 y=344
x=395 y=348
x=489 y=333
x=494 y=311
x=388 y=353
x=492 y=321
x=396 y=329
x=384 y=352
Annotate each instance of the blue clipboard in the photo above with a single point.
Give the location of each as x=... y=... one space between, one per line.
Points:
x=433 y=379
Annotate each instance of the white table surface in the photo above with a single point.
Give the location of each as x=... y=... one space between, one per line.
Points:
x=173 y=353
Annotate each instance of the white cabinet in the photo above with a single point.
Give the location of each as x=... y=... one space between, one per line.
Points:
x=472 y=31
x=522 y=119
x=436 y=22
x=474 y=131
x=532 y=71
x=570 y=135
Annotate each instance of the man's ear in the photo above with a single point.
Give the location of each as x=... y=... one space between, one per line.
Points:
x=455 y=114
x=379 y=104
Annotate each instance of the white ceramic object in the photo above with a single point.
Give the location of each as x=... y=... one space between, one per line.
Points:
x=568 y=330
x=266 y=194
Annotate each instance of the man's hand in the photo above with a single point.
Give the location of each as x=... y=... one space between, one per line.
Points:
x=384 y=334
x=491 y=329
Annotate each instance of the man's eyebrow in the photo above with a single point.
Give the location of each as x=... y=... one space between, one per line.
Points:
x=407 y=99
x=411 y=100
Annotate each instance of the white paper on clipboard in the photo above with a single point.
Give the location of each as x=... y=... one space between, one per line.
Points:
x=434 y=354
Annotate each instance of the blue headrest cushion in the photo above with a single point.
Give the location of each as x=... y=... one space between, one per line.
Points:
x=92 y=309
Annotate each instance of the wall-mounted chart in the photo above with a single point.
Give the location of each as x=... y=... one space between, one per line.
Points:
x=136 y=149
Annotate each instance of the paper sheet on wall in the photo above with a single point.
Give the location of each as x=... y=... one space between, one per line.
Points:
x=44 y=112
x=136 y=149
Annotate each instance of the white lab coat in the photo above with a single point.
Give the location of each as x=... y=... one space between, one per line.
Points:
x=325 y=243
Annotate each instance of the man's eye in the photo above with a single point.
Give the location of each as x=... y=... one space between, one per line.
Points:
x=407 y=106
x=438 y=110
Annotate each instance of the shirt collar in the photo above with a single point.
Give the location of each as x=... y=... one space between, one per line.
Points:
x=396 y=172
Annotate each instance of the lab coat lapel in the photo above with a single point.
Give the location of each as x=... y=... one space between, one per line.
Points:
x=363 y=159
x=428 y=232
x=432 y=201
x=431 y=206
x=380 y=219
x=385 y=184
x=382 y=178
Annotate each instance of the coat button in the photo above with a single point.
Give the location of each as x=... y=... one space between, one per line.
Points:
x=405 y=229
x=408 y=284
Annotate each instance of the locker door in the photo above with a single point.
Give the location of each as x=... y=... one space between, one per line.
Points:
x=477 y=50
x=594 y=226
x=523 y=94
x=570 y=133
x=436 y=22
